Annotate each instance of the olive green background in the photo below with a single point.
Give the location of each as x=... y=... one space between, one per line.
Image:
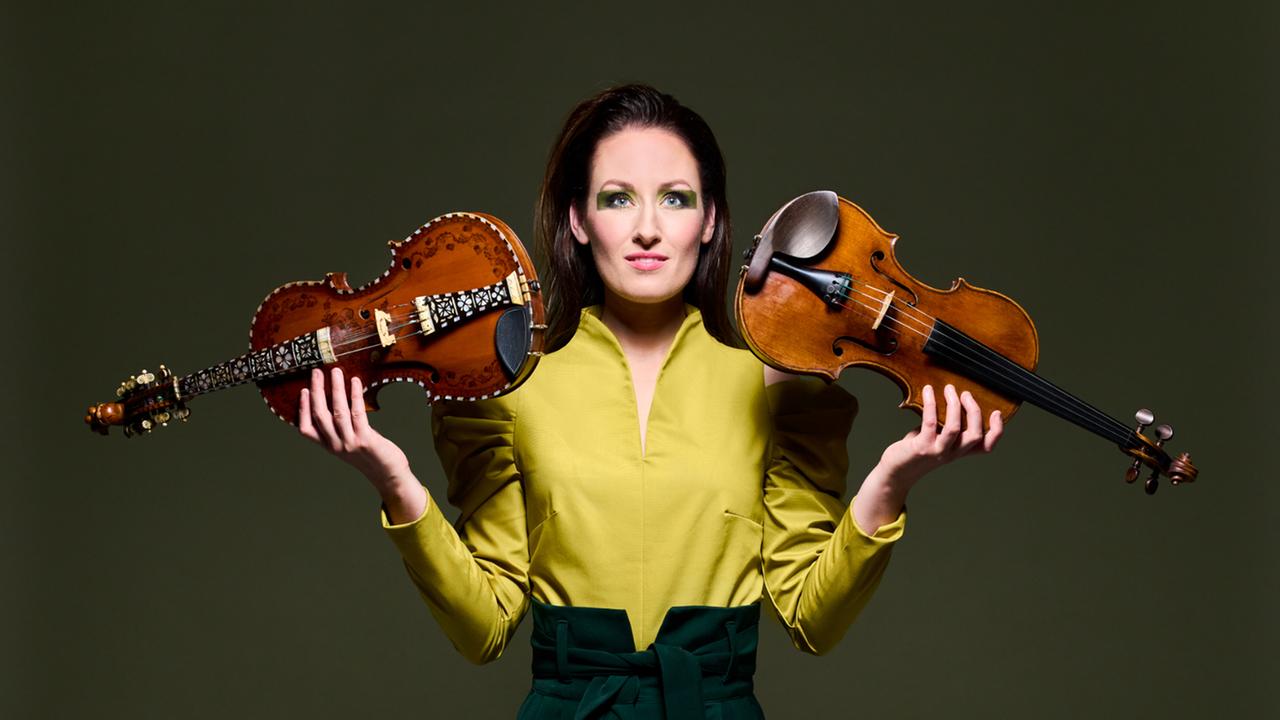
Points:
x=1111 y=166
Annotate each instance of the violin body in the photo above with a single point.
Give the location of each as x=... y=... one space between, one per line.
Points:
x=458 y=312
x=838 y=336
x=822 y=291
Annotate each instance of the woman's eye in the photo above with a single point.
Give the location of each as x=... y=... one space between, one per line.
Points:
x=679 y=200
x=617 y=200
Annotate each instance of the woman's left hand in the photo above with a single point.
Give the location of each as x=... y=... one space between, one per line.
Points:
x=927 y=447
x=922 y=450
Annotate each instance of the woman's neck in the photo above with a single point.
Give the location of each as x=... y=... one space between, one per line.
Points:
x=643 y=329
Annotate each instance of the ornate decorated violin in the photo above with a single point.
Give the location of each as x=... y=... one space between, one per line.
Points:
x=459 y=312
x=822 y=291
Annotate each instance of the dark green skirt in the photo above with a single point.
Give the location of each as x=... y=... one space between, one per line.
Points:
x=585 y=665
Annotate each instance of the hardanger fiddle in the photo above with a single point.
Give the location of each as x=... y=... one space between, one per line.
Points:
x=459 y=312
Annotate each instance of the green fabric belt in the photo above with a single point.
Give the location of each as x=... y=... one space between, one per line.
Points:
x=586 y=656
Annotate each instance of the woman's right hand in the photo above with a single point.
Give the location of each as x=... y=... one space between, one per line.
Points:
x=342 y=428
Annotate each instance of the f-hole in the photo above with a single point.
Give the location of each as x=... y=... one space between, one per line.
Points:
x=888 y=345
x=879 y=256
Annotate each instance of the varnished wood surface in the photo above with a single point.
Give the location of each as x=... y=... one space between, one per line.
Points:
x=793 y=329
x=455 y=252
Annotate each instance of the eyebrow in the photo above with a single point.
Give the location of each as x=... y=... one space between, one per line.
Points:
x=664 y=186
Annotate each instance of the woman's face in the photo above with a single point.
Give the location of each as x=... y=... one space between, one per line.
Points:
x=645 y=215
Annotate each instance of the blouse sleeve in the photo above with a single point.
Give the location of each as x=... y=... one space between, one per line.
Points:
x=473 y=574
x=820 y=567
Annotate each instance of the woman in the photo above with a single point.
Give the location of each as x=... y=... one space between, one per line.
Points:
x=651 y=484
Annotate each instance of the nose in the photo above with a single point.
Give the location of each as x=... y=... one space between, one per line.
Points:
x=647 y=232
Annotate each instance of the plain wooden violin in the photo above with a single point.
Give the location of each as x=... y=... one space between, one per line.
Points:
x=459 y=312
x=822 y=291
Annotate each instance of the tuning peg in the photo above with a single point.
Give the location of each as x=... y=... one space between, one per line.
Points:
x=1163 y=433
x=1144 y=418
x=1131 y=474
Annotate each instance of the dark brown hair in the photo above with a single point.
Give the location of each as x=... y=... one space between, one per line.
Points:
x=569 y=273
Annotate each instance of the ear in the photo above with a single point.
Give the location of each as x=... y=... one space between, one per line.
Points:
x=709 y=224
x=575 y=225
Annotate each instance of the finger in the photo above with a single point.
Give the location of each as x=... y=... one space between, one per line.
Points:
x=341 y=409
x=304 y=416
x=359 y=416
x=950 y=428
x=995 y=431
x=929 y=416
x=320 y=410
x=972 y=435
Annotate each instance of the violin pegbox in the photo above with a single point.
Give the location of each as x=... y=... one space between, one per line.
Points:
x=1145 y=452
x=146 y=401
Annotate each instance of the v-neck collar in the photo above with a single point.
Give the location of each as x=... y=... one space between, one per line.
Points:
x=595 y=330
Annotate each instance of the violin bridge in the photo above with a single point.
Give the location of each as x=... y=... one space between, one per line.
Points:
x=514 y=290
x=383 y=319
x=884 y=308
x=424 y=315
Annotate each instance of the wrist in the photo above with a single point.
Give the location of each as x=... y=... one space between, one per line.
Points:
x=892 y=481
x=405 y=501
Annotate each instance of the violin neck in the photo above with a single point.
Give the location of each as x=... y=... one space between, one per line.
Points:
x=301 y=353
x=430 y=314
x=976 y=360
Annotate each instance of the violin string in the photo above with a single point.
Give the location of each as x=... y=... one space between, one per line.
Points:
x=1098 y=416
x=357 y=338
x=926 y=322
x=1044 y=392
x=411 y=317
x=1114 y=429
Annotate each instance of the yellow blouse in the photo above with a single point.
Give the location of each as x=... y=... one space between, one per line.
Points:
x=737 y=497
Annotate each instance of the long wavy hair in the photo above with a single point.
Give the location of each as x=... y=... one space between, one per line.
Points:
x=569 y=273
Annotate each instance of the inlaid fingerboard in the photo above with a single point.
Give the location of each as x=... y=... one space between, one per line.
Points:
x=300 y=353
x=437 y=312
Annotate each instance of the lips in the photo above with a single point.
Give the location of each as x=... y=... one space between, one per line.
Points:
x=646 y=261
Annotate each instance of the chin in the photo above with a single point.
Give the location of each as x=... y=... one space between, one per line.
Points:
x=650 y=299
